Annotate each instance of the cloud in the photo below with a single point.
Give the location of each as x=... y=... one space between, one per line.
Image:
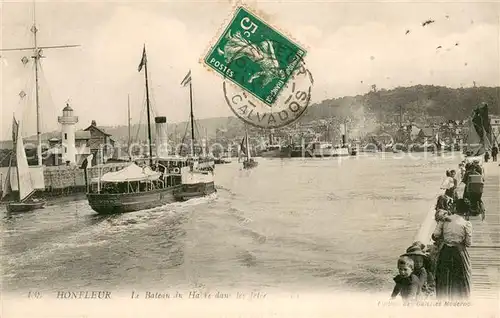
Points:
x=377 y=53
x=99 y=75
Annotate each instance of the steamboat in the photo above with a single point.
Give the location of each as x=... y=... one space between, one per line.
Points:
x=159 y=181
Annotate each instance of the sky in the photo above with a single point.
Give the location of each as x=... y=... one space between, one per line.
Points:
x=350 y=47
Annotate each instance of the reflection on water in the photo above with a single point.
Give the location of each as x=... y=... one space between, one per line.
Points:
x=288 y=224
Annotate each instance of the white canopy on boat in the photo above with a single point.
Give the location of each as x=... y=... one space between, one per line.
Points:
x=130 y=173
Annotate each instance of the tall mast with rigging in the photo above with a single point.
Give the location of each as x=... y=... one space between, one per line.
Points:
x=192 y=116
x=247 y=144
x=144 y=62
x=37 y=55
x=185 y=81
x=128 y=122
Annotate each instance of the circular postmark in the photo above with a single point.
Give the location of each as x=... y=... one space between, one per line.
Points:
x=268 y=85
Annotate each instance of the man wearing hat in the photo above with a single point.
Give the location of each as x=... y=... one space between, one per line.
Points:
x=419 y=257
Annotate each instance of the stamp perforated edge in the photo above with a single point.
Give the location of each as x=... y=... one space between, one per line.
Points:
x=223 y=27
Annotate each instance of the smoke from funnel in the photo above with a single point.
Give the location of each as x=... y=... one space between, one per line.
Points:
x=161 y=137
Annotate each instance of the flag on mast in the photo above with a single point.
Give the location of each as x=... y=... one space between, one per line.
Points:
x=143 y=59
x=187 y=79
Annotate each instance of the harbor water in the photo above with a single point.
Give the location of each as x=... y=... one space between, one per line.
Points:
x=291 y=224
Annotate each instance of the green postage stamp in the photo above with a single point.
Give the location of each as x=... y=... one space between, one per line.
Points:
x=254 y=56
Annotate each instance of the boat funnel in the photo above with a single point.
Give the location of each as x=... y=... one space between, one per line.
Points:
x=343 y=132
x=161 y=137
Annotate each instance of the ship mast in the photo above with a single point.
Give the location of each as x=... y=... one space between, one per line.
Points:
x=247 y=144
x=128 y=120
x=37 y=55
x=192 y=116
x=144 y=62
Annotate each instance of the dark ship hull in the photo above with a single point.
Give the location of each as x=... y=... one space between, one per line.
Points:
x=277 y=153
x=250 y=164
x=191 y=191
x=110 y=203
x=14 y=207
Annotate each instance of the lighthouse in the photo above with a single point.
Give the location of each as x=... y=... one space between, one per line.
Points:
x=68 y=121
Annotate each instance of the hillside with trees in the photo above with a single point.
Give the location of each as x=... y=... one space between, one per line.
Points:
x=420 y=104
x=416 y=102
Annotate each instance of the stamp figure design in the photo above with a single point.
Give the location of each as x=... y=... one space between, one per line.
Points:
x=261 y=66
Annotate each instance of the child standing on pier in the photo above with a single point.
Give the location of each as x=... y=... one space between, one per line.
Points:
x=407 y=283
x=419 y=258
x=450 y=185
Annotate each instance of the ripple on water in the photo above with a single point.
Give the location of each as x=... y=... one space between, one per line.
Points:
x=289 y=223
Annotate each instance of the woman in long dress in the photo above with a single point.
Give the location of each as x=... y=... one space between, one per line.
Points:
x=453 y=269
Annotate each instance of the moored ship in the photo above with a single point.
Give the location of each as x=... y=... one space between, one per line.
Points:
x=223 y=159
x=326 y=149
x=277 y=151
x=135 y=187
x=195 y=184
x=271 y=151
x=198 y=179
x=150 y=182
x=132 y=189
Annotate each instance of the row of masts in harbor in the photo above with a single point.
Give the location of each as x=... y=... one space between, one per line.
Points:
x=140 y=185
x=163 y=180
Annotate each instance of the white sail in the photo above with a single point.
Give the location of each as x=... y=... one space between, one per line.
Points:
x=25 y=184
x=7 y=188
x=247 y=147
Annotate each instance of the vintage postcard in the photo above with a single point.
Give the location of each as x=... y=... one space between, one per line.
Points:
x=273 y=158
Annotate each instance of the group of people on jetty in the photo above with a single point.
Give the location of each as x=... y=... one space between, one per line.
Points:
x=442 y=270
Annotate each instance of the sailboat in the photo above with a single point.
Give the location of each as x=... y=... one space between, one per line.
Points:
x=248 y=162
x=139 y=187
x=478 y=138
x=198 y=181
x=440 y=145
x=26 y=189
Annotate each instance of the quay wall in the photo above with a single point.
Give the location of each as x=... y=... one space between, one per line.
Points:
x=68 y=179
x=62 y=180
x=36 y=173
